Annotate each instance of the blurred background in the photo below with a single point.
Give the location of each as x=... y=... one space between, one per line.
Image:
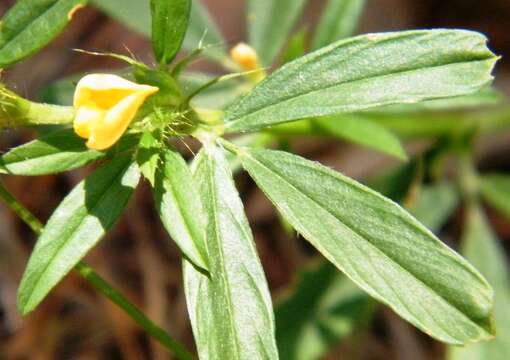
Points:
x=76 y=323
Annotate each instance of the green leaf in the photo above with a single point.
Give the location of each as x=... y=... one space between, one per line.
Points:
x=59 y=151
x=378 y=245
x=169 y=25
x=135 y=14
x=324 y=307
x=435 y=204
x=147 y=157
x=269 y=25
x=496 y=191
x=483 y=249
x=363 y=132
x=365 y=72
x=78 y=223
x=180 y=208
x=339 y=20
x=230 y=311
x=30 y=25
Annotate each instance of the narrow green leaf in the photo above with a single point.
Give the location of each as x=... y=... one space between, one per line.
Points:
x=169 y=25
x=339 y=20
x=147 y=157
x=56 y=152
x=363 y=132
x=78 y=223
x=180 y=208
x=378 y=245
x=435 y=204
x=30 y=25
x=230 y=311
x=482 y=248
x=269 y=25
x=496 y=191
x=325 y=307
x=363 y=72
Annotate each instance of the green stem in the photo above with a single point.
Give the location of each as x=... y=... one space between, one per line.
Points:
x=16 y=111
x=45 y=114
x=134 y=312
x=23 y=213
x=101 y=285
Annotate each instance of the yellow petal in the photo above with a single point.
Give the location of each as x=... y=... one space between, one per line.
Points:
x=85 y=119
x=105 y=106
x=111 y=127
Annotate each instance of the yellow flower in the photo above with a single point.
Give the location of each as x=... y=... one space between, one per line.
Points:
x=105 y=106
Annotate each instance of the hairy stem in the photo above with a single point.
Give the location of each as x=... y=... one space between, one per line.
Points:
x=45 y=114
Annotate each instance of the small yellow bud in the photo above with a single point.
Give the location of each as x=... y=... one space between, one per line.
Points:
x=245 y=56
x=105 y=106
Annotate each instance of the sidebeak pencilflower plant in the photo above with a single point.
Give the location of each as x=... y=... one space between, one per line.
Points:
x=339 y=87
x=105 y=106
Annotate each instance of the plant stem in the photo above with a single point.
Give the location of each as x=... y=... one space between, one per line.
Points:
x=134 y=312
x=45 y=114
x=102 y=285
x=23 y=213
x=15 y=111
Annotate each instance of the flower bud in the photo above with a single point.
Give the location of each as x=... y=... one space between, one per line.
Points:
x=245 y=56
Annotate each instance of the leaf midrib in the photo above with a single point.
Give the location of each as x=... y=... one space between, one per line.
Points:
x=369 y=242
x=212 y=182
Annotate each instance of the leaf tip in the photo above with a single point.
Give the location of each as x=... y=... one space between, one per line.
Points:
x=23 y=305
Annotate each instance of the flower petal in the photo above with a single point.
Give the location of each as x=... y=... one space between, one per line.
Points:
x=111 y=127
x=105 y=106
x=85 y=119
